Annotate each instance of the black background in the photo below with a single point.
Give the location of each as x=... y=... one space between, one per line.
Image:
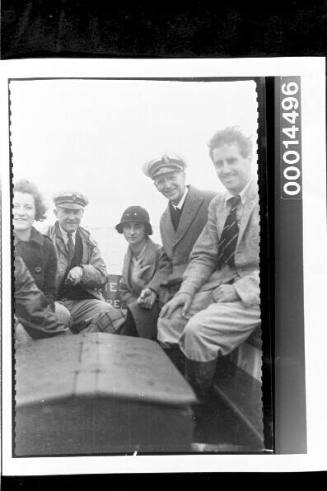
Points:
x=161 y=29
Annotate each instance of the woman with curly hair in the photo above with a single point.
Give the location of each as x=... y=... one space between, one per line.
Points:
x=36 y=249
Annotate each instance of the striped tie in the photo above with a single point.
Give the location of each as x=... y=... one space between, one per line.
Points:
x=228 y=239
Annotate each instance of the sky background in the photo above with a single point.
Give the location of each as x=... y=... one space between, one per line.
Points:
x=93 y=136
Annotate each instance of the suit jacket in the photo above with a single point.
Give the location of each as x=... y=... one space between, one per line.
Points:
x=128 y=290
x=94 y=269
x=202 y=271
x=178 y=244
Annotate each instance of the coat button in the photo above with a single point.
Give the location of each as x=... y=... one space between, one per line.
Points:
x=38 y=269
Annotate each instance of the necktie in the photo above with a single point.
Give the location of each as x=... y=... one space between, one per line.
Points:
x=228 y=239
x=175 y=215
x=70 y=247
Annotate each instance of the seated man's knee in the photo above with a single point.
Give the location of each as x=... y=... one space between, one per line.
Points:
x=192 y=329
x=62 y=314
x=103 y=307
x=161 y=328
x=169 y=330
x=193 y=341
x=106 y=319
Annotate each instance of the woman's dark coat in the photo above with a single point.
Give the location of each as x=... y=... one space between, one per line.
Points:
x=39 y=255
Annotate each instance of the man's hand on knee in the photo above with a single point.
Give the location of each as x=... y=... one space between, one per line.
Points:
x=183 y=300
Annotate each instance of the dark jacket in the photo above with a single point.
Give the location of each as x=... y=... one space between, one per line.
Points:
x=178 y=244
x=32 y=308
x=39 y=255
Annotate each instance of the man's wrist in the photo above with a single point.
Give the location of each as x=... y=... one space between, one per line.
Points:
x=187 y=291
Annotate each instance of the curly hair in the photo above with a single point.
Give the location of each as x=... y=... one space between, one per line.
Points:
x=25 y=186
x=230 y=135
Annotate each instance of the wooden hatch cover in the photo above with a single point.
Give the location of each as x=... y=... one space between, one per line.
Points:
x=99 y=393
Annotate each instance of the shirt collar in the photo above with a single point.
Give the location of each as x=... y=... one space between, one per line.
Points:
x=65 y=234
x=242 y=194
x=182 y=201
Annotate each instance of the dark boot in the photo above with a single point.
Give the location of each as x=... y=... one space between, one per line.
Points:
x=200 y=375
x=176 y=356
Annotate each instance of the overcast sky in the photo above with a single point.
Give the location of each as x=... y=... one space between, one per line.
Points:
x=94 y=135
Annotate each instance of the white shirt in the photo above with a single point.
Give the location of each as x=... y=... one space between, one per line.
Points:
x=179 y=206
x=241 y=194
x=65 y=235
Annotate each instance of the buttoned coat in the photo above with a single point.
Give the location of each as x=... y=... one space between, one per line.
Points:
x=94 y=269
x=39 y=255
x=32 y=308
x=178 y=244
x=202 y=271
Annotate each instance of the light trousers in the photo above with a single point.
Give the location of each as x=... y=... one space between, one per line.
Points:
x=213 y=329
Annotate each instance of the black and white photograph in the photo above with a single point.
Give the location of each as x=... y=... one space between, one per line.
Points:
x=154 y=189
x=142 y=240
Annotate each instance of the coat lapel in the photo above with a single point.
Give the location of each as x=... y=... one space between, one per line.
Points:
x=58 y=239
x=150 y=253
x=221 y=215
x=127 y=260
x=168 y=231
x=191 y=206
x=250 y=203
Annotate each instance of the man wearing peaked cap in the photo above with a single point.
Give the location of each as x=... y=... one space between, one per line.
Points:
x=164 y=164
x=71 y=200
x=81 y=270
x=180 y=225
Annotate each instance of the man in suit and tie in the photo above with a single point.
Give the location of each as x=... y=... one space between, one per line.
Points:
x=218 y=303
x=81 y=272
x=180 y=226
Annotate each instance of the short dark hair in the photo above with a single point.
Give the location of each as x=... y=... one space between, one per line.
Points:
x=229 y=135
x=25 y=186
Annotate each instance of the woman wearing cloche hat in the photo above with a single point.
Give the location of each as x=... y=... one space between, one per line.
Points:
x=140 y=263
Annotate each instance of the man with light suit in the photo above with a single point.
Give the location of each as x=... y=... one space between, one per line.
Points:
x=218 y=303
